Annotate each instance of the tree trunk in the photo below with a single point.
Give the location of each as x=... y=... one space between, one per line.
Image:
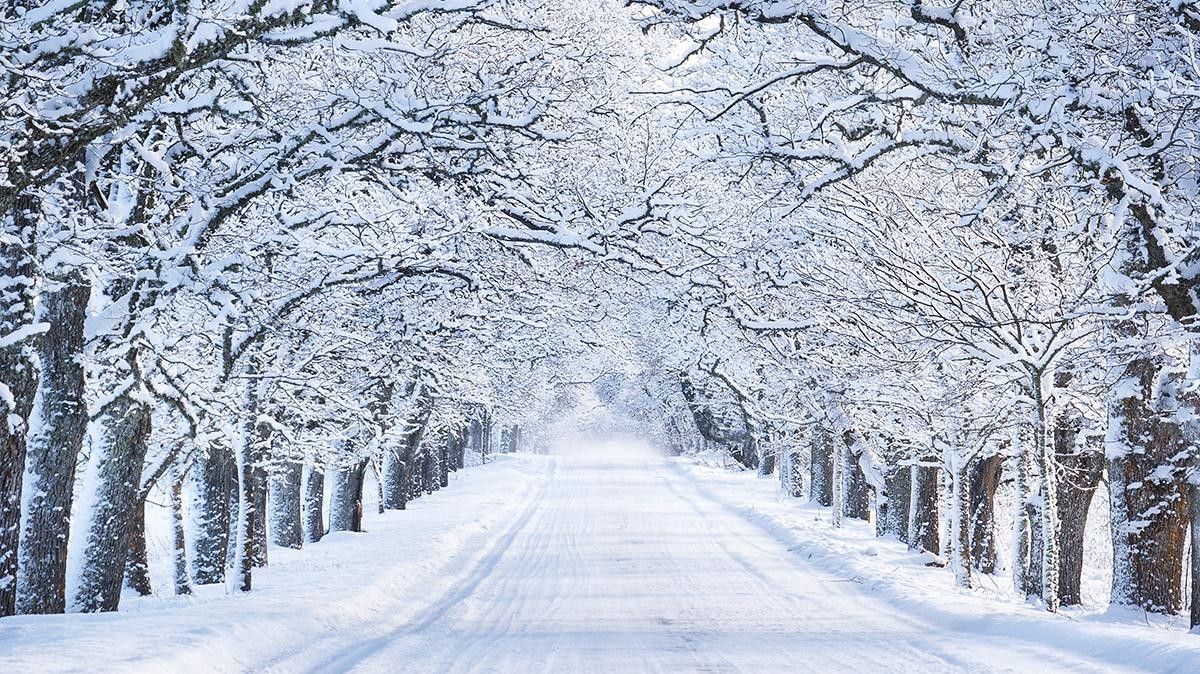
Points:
x=314 y=505
x=444 y=463
x=1194 y=511
x=53 y=449
x=821 y=466
x=858 y=490
x=215 y=477
x=345 y=507
x=460 y=453
x=1147 y=495
x=893 y=518
x=395 y=489
x=18 y=371
x=766 y=462
x=923 y=532
x=985 y=479
x=960 y=524
x=137 y=567
x=287 y=530
x=124 y=433
x=1050 y=522
x=1082 y=468
x=183 y=584
x=793 y=480
x=258 y=523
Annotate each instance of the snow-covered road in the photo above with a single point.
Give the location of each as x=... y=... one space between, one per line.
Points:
x=626 y=566
x=589 y=565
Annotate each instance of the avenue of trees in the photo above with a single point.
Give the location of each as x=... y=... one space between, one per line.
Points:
x=901 y=255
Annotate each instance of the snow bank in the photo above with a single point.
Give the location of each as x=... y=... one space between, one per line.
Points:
x=1114 y=638
x=339 y=589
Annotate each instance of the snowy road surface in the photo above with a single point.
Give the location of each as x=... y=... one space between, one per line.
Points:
x=626 y=566
x=568 y=565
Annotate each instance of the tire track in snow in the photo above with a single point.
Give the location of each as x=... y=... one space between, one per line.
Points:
x=465 y=570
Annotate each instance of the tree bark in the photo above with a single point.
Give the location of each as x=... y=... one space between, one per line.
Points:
x=1082 y=468
x=137 y=567
x=858 y=490
x=287 y=529
x=53 y=448
x=124 y=432
x=821 y=466
x=1147 y=495
x=893 y=519
x=18 y=371
x=985 y=479
x=183 y=584
x=314 y=505
x=395 y=489
x=345 y=508
x=923 y=531
x=215 y=478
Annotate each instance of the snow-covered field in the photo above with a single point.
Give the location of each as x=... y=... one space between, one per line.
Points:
x=582 y=564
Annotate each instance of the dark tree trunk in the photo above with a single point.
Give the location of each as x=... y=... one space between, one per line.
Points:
x=429 y=470
x=215 y=477
x=444 y=462
x=1147 y=495
x=1033 y=564
x=894 y=516
x=258 y=521
x=821 y=466
x=858 y=496
x=460 y=451
x=287 y=530
x=345 y=509
x=985 y=479
x=18 y=371
x=766 y=463
x=923 y=532
x=137 y=567
x=125 y=431
x=1081 y=469
x=54 y=450
x=314 y=505
x=794 y=480
x=1194 y=512
x=183 y=584
x=395 y=487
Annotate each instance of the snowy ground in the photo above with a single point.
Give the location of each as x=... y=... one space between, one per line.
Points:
x=581 y=564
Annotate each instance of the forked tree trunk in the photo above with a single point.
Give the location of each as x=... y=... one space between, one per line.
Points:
x=53 y=449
